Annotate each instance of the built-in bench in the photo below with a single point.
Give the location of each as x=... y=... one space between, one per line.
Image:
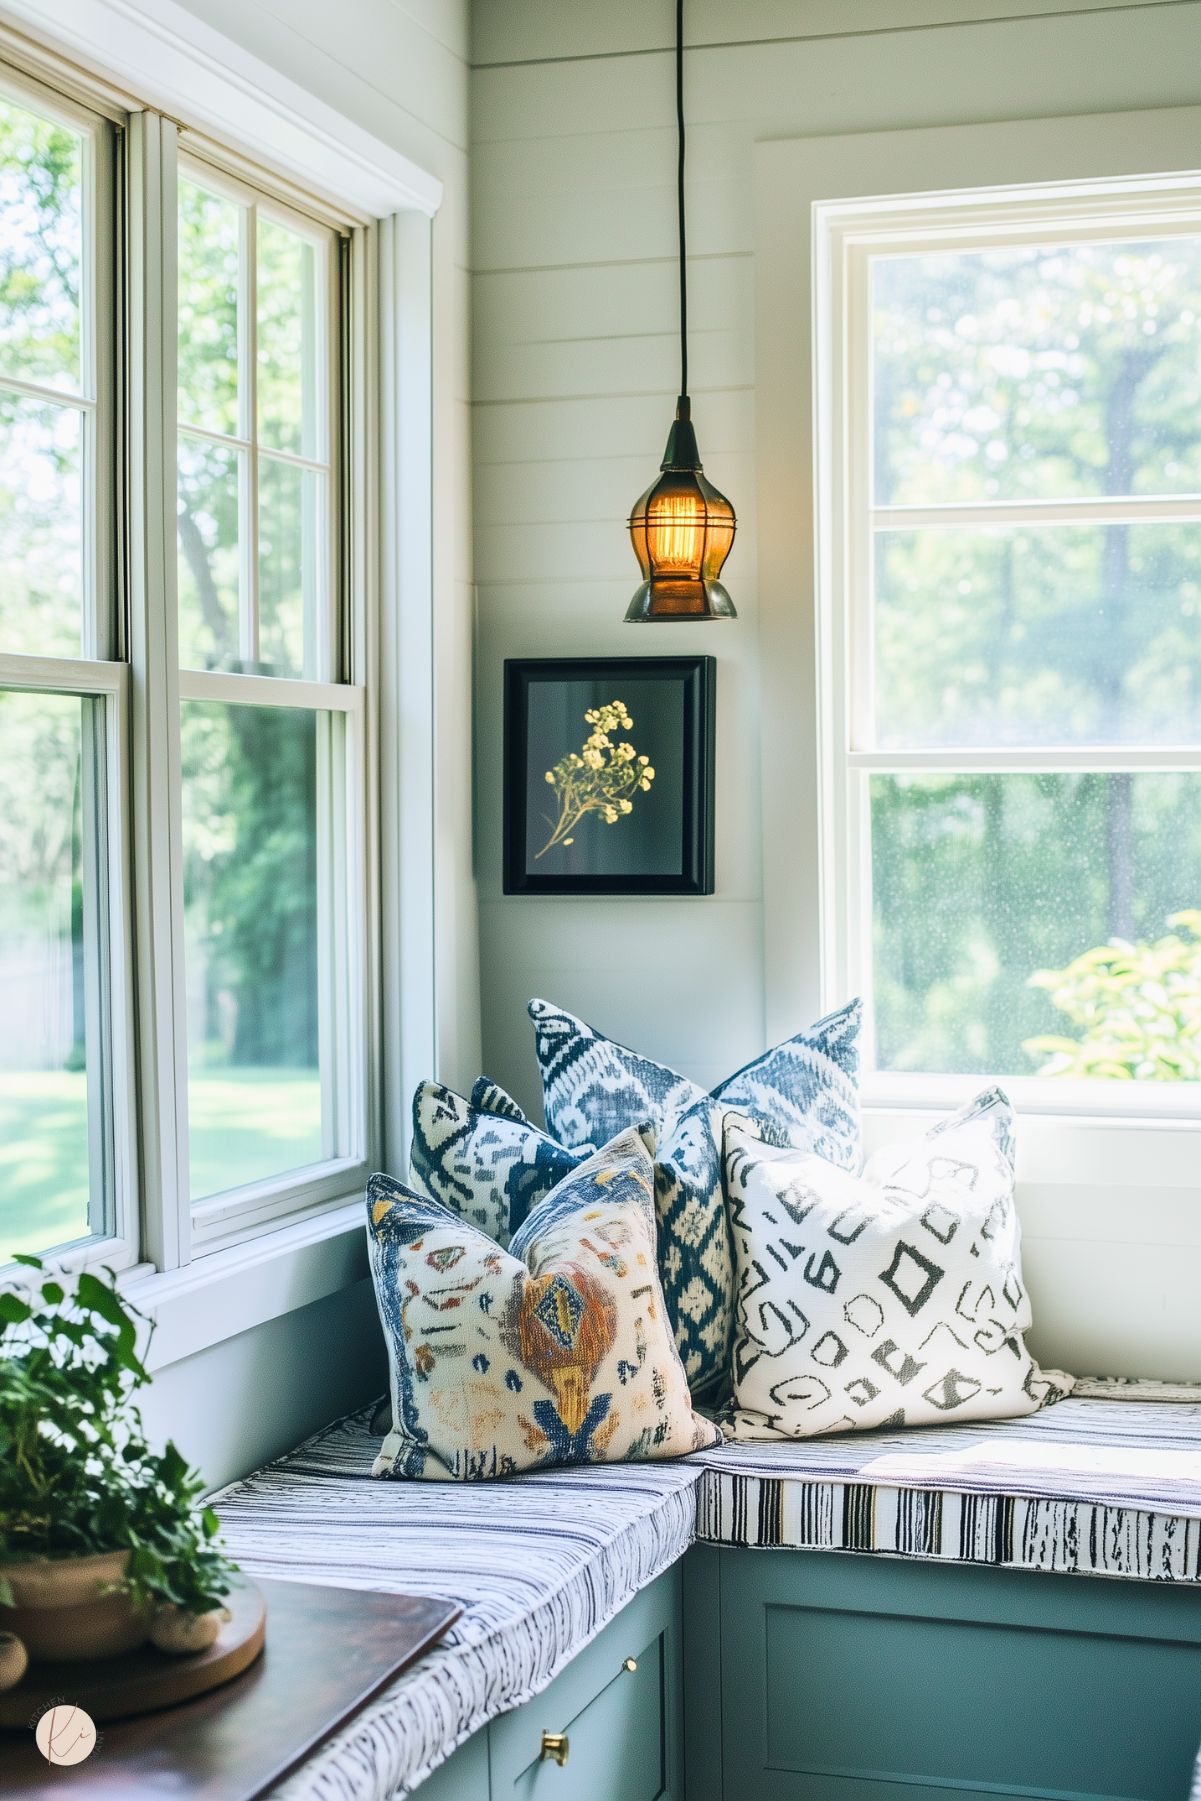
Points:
x=973 y=1649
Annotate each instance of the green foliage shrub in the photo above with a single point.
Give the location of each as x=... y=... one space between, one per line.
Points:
x=1138 y=1007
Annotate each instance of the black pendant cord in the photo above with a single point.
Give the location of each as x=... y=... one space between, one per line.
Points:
x=680 y=198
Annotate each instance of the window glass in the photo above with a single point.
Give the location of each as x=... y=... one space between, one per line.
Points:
x=1036 y=372
x=47 y=1088
x=1035 y=905
x=41 y=527
x=1039 y=634
x=210 y=235
x=252 y=932
x=987 y=892
x=41 y=249
x=290 y=355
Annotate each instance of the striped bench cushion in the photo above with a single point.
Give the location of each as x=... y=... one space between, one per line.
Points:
x=1057 y=1505
x=538 y=1563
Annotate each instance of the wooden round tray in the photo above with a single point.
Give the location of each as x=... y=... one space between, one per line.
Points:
x=142 y=1681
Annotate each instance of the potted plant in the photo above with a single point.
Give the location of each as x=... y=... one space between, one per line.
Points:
x=103 y=1543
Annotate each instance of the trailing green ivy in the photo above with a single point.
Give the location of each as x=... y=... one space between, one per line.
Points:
x=77 y=1475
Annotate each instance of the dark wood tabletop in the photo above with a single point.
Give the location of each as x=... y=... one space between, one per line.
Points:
x=328 y=1650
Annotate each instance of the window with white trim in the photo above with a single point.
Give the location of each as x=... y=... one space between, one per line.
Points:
x=157 y=1105
x=1011 y=625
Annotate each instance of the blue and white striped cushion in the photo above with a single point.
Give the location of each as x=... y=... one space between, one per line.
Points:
x=539 y=1565
x=819 y=1493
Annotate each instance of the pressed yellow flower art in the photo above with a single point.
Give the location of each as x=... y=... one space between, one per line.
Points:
x=602 y=777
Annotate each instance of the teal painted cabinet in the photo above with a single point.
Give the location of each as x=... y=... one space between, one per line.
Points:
x=622 y=1725
x=849 y=1678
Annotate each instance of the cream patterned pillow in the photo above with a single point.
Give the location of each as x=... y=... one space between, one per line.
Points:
x=558 y=1350
x=894 y=1298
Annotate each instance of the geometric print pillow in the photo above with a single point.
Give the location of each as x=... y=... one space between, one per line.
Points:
x=693 y=1240
x=482 y=1163
x=894 y=1298
x=557 y=1351
x=805 y=1089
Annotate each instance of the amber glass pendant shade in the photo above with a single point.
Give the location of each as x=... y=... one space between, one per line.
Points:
x=682 y=529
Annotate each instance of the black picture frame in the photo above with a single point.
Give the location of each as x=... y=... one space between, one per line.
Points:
x=672 y=704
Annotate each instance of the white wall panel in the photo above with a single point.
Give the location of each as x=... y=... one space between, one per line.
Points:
x=527 y=30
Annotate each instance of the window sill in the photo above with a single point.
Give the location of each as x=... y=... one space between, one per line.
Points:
x=246 y=1285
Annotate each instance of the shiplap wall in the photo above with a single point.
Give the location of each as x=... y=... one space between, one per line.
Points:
x=574 y=375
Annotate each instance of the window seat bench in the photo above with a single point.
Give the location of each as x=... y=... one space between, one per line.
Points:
x=812 y=1675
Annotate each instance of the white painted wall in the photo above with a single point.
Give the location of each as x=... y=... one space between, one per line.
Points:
x=398 y=68
x=574 y=375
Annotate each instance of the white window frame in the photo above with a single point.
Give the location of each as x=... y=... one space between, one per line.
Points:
x=847 y=237
x=813 y=860
x=255 y=123
x=96 y=676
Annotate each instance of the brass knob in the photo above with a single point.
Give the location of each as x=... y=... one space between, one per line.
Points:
x=630 y=1664
x=554 y=1745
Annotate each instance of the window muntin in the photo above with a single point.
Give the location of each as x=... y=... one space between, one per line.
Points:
x=1014 y=774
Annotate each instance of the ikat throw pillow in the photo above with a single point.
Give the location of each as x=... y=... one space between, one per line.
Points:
x=684 y=1186
x=894 y=1298
x=556 y=1351
x=805 y=1088
x=486 y=1163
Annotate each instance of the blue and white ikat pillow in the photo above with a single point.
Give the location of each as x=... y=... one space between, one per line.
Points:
x=556 y=1351
x=481 y=1158
x=805 y=1091
x=806 y=1088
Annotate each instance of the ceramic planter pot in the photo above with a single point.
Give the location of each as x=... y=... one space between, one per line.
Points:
x=63 y=1613
x=183 y=1634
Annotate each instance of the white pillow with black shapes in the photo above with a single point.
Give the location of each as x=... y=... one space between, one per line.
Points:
x=891 y=1298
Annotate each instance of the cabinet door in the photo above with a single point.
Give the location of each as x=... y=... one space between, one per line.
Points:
x=622 y=1725
x=858 y=1678
x=464 y=1775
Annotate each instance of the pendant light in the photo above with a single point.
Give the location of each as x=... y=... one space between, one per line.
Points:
x=682 y=528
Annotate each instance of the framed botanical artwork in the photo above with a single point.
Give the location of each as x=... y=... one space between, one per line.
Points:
x=609 y=775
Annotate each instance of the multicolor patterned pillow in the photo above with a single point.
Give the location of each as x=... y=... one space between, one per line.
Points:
x=488 y=1165
x=893 y=1298
x=805 y=1089
x=684 y=1186
x=556 y=1351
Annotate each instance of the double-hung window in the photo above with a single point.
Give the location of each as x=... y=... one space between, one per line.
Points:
x=65 y=1056
x=271 y=733
x=1011 y=625
x=167 y=1086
